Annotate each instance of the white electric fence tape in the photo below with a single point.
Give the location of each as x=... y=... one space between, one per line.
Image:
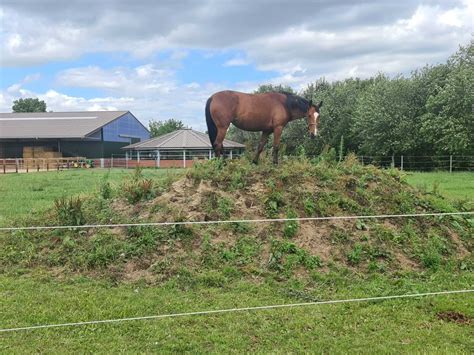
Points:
x=232 y=310
x=300 y=219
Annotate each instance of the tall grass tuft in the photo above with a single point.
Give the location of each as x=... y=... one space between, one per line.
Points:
x=69 y=211
x=137 y=190
x=105 y=188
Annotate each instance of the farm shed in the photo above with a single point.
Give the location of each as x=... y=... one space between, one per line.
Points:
x=178 y=149
x=91 y=134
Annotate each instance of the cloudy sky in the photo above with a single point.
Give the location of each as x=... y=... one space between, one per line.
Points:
x=162 y=59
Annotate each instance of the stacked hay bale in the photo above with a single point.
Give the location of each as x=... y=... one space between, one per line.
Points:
x=35 y=156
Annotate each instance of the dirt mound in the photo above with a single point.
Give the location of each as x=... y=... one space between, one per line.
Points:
x=238 y=190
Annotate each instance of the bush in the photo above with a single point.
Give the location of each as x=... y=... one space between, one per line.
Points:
x=105 y=189
x=137 y=190
x=69 y=211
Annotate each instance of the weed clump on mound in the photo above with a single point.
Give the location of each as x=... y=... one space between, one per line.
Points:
x=239 y=190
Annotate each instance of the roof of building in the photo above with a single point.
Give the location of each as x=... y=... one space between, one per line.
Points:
x=180 y=139
x=54 y=124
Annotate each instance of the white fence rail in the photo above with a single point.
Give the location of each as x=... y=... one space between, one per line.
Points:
x=164 y=159
x=178 y=159
x=422 y=163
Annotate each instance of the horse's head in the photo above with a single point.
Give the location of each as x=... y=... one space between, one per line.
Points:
x=313 y=118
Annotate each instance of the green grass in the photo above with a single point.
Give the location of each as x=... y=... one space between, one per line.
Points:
x=51 y=293
x=410 y=325
x=459 y=185
x=25 y=194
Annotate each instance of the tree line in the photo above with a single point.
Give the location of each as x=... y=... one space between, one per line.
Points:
x=429 y=112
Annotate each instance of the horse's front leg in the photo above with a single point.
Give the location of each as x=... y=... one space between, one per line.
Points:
x=276 y=143
x=261 y=145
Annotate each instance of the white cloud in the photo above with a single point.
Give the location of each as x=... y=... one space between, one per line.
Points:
x=185 y=102
x=425 y=36
x=235 y=62
x=301 y=41
x=57 y=101
x=270 y=33
x=141 y=80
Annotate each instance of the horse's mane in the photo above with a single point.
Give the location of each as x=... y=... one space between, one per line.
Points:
x=294 y=101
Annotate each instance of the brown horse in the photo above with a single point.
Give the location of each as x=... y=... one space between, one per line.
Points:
x=268 y=113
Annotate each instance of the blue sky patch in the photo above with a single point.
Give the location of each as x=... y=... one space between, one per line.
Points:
x=196 y=66
x=206 y=67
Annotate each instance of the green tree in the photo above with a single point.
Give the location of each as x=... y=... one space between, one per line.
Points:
x=159 y=128
x=274 y=88
x=426 y=113
x=29 y=104
x=337 y=114
x=388 y=117
x=449 y=123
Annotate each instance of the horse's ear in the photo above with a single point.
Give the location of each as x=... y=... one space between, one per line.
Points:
x=320 y=104
x=311 y=102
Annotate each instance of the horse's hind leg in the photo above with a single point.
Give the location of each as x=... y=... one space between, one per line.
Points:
x=261 y=145
x=221 y=132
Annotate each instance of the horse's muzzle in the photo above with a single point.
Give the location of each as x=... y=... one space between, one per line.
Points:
x=312 y=135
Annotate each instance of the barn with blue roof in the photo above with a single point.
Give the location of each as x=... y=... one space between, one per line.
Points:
x=90 y=134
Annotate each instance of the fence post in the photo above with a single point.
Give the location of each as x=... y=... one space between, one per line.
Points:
x=393 y=161
x=450 y=163
x=16 y=165
x=112 y=161
x=401 y=163
x=184 y=158
x=4 y=166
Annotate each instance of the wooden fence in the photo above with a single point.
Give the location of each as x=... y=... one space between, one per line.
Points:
x=20 y=165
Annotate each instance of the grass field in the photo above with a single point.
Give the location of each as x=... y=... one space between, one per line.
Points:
x=459 y=185
x=414 y=325
x=24 y=194
x=32 y=297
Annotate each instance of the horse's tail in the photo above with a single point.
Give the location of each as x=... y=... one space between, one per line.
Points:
x=211 y=126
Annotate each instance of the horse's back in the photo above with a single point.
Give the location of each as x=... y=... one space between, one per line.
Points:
x=228 y=98
x=253 y=112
